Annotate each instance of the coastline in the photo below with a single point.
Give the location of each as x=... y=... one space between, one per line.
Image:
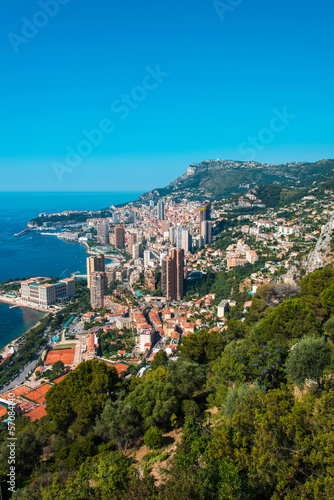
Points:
x=5 y=348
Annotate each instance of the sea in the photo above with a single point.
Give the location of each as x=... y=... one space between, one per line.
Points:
x=36 y=255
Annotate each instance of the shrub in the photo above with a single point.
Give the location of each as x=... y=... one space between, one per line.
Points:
x=153 y=438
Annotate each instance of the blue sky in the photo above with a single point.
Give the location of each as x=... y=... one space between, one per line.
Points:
x=195 y=80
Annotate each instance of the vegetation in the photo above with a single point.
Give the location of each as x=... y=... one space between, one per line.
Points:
x=245 y=432
x=153 y=438
x=308 y=360
x=221 y=181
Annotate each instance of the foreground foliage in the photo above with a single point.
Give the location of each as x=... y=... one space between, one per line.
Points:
x=269 y=436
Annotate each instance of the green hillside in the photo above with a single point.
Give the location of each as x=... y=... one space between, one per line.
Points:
x=218 y=179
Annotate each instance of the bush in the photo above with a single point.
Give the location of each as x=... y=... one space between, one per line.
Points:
x=307 y=360
x=153 y=438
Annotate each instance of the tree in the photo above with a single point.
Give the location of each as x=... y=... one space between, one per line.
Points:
x=290 y=320
x=57 y=368
x=245 y=361
x=202 y=346
x=119 y=424
x=160 y=359
x=329 y=327
x=154 y=400
x=153 y=438
x=190 y=408
x=236 y=395
x=307 y=360
x=327 y=299
x=186 y=377
x=79 y=398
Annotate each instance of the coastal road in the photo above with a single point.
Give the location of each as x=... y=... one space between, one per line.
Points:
x=21 y=376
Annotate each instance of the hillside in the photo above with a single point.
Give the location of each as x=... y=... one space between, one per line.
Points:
x=219 y=179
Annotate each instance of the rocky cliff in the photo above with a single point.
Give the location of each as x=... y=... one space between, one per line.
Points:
x=322 y=254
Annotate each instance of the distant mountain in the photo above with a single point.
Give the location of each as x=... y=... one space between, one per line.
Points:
x=218 y=179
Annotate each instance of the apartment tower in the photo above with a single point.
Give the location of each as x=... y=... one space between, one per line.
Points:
x=172 y=274
x=94 y=263
x=98 y=289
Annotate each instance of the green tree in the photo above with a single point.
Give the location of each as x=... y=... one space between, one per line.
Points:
x=290 y=320
x=190 y=408
x=245 y=361
x=308 y=360
x=154 y=400
x=79 y=398
x=160 y=359
x=327 y=299
x=329 y=327
x=202 y=346
x=186 y=377
x=58 y=368
x=119 y=424
x=153 y=438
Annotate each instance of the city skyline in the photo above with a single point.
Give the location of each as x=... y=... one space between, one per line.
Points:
x=124 y=97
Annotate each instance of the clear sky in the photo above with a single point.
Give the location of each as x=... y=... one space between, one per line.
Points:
x=167 y=83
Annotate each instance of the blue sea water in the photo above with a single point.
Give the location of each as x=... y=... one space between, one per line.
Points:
x=14 y=322
x=36 y=255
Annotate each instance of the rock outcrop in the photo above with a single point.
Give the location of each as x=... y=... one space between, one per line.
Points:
x=322 y=253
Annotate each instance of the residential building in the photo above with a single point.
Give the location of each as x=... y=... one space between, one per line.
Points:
x=94 y=263
x=103 y=233
x=98 y=289
x=161 y=210
x=119 y=233
x=173 y=274
x=178 y=234
x=137 y=250
x=132 y=240
x=222 y=308
x=204 y=213
x=252 y=256
x=206 y=231
x=186 y=241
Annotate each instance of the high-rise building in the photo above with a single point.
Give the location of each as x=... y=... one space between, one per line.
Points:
x=204 y=213
x=94 y=263
x=172 y=234
x=147 y=257
x=206 y=232
x=164 y=275
x=115 y=218
x=151 y=203
x=161 y=210
x=137 y=250
x=98 y=289
x=172 y=274
x=132 y=240
x=178 y=237
x=119 y=238
x=186 y=240
x=179 y=272
x=103 y=233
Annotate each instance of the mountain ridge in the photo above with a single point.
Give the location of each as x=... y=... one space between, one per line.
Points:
x=218 y=179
